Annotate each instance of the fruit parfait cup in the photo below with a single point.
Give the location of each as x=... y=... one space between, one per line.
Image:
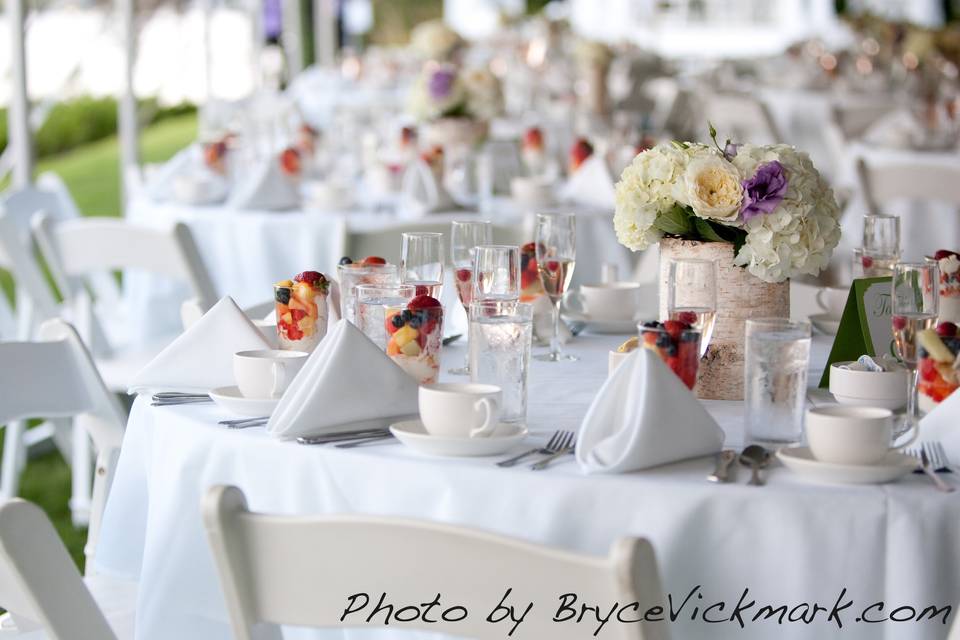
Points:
x=415 y=337
x=302 y=310
x=678 y=345
x=370 y=270
x=939 y=364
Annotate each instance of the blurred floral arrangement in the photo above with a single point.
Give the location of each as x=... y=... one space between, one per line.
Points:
x=444 y=90
x=434 y=40
x=769 y=201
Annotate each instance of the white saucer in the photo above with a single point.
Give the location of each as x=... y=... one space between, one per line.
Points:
x=825 y=323
x=412 y=434
x=601 y=326
x=230 y=399
x=801 y=461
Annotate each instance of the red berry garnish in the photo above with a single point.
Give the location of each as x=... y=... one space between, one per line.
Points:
x=373 y=260
x=866 y=261
x=311 y=277
x=687 y=317
x=530 y=248
x=464 y=275
x=928 y=369
x=423 y=302
x=899 y=322
x=944 y=253
x=675 y=328
x=553 y=265
x=946 y=329
x=421 y=290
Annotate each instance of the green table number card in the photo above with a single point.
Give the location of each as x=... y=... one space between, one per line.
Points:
x=865 y=327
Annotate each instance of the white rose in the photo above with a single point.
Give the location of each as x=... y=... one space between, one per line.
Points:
x=950 y=264
x=713 y=188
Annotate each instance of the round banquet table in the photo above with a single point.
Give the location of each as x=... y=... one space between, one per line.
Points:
x=789 y=542
x=246 y=251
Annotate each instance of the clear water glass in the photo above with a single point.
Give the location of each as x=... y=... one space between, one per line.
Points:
x=873 y=264
x=692 y=296
x=421 y=261
x=916 y=304
x=501 y=332
x=881 y=234
x=496 y=272
x=372 y=304
x=353 y=275
x=465 y=237
x=775 y=380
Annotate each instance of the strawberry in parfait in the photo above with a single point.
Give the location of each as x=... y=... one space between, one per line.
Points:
x=415 y=337
x=301 y=309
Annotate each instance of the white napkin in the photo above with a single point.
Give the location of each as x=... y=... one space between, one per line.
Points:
x=266 y=187
x=943 y=424
x=643 y=417
x=184 y=163
x=325 y=397
x=201 y=358
x=896 y=130
x=421 y=192
x=591 y=185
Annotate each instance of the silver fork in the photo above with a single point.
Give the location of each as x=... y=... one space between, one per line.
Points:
x=565 y=447
x=927 y=467
x=244 y=423
x=938 y=456
x=553 y=445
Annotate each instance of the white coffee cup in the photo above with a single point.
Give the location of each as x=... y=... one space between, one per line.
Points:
x=832 y=300
x=266 y=373
x=852 y=435
x=609 y=301
x=460 y=410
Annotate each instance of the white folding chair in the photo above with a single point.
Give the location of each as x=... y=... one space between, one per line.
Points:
x=301 y=571
x=929 y=182
x=43 y=593
x=56 y=378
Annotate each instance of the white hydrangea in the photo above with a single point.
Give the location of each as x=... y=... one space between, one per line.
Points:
x=484 y=97
x=434 y=40
x=423 y=105
x=650 y=185
x=801 y=233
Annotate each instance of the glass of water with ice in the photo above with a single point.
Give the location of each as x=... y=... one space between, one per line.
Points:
x=372 y=301
x=501 y=332
x=775 y=383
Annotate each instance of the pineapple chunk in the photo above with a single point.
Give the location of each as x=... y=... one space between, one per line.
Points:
x=411 y=349
x=405 y=335
x=629 y=345
x=930 y=341
x=287 y=318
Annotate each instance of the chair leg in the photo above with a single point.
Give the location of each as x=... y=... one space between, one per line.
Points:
x=14 y=454
x=81 y=473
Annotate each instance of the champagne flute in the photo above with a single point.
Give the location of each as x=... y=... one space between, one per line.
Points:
x=556 y=256
x=692 y=296
x=915 y=307
x=496 y=272
x=465 y=237
x=421 y=262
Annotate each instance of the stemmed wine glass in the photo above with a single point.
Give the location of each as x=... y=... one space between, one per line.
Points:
x=496 y=272
x=465 y=237
x=915 y=307
x=421 y=262
x=556 y=256
x=692 y=296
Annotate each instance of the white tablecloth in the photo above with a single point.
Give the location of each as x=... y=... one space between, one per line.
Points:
x=247 y=251
x=789 y=542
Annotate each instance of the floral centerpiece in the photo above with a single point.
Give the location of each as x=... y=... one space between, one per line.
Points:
x=764 y=212
x=434 y=40
x=455 y=104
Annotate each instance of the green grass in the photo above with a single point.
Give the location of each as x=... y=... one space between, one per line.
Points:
x=92 y=173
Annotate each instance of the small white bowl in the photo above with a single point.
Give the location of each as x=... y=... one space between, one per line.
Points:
x=885 y=389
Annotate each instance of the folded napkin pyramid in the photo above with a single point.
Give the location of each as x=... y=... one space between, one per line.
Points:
x=186 y=162
x=943 y=424
x=422 y=192
x=325 y=398
x=266 y=187
x=644 y=417
x=591 y=185
x=201 y=358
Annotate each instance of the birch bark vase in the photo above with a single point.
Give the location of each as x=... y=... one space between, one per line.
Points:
x=740 y=295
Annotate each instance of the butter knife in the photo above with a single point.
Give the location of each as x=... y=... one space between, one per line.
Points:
x=724 y=459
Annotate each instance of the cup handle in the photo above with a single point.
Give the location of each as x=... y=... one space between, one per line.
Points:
x=820 y=302
x=489 y=425
x=279 y=379
x=915 y=427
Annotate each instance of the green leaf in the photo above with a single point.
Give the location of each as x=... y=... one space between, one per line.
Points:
x=675 y=222
x=713 y=131
x=706 y=231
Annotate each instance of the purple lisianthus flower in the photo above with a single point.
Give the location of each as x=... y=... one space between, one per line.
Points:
x=764 y=191
x=730 y=150
x=441 y=82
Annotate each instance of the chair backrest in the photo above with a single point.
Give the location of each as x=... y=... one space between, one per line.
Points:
x=34 y=298
x=39 y=584
x=304 y=571
x=741 y=117
x=56 y=378
x=75 y=248
x=890 y=181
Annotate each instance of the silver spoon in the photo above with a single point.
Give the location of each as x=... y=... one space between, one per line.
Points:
x=755 y=457
x=724 y=459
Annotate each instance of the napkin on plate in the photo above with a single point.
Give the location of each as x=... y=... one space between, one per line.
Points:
x=201 y=358
x=421 y=192
x=347 y=383
x=184 y=163
x=943 y=424
x=643 y=417
x=591 y=185
x=266 y=187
